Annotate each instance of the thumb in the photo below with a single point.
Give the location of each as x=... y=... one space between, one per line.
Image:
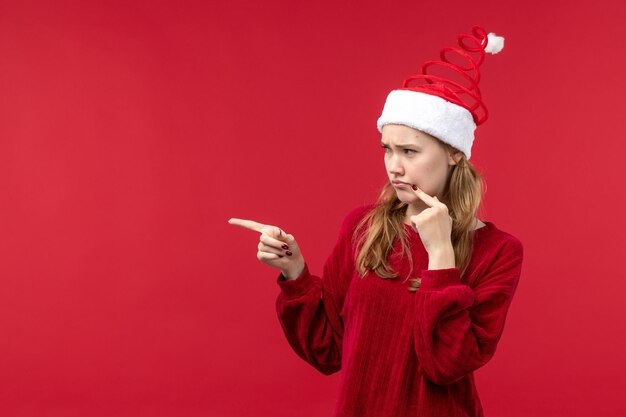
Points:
x=289 y=239
x=276 y=232
x=285 y=237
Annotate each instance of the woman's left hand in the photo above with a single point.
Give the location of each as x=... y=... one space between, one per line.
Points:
x=433 y=224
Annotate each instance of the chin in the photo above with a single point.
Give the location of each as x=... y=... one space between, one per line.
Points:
x=405 y=197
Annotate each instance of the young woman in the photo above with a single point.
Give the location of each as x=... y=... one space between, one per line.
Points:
x=414 y=295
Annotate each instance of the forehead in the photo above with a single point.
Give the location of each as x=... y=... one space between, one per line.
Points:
x=405 y=134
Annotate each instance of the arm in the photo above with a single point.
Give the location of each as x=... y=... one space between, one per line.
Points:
x=457 y=327
x=309 y=307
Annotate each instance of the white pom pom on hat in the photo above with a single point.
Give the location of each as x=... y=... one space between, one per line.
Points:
x=494 y=43
x=440 y=106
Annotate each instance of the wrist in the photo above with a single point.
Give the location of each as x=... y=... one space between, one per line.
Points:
x=294 y=272
x=441 y=258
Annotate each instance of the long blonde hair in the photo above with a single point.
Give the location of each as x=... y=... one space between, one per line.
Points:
x=462 y=195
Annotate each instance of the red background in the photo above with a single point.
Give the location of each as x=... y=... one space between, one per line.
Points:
x=131 y=131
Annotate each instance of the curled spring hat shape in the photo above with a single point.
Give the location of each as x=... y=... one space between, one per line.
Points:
x=480 y=42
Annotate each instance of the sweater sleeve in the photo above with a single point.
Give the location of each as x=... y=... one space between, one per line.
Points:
x=309 y=307
x=458 y=327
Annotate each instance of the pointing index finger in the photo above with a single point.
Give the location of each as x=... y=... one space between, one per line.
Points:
x=247 y=224
x=423 y=196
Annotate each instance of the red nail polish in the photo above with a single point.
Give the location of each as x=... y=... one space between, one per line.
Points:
x=414 y=187
x=285 y=246
x=289 y=253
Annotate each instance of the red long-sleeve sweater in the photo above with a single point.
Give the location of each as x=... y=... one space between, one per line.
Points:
x=403 y=353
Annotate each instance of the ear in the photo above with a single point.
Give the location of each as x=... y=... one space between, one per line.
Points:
x=454 y=157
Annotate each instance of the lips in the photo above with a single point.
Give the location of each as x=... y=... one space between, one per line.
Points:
x=399 y=182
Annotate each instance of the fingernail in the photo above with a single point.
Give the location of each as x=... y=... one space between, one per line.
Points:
x=285 y=246
x=289 y=253
x=280 y=256
x=414 y=187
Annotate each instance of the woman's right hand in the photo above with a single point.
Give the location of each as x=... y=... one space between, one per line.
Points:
x=276 y=248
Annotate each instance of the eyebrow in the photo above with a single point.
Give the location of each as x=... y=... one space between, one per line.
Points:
x=400 y=145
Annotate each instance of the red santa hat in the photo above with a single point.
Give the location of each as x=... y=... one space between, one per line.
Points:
x=440 y=106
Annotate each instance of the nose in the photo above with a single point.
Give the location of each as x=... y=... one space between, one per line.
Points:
x=395 y=165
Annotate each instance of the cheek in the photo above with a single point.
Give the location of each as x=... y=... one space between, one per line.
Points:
x=426 y=176
x=419 y=171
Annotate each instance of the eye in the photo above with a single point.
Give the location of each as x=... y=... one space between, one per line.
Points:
x=407 y=151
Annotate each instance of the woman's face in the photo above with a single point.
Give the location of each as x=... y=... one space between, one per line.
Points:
x=415 y=157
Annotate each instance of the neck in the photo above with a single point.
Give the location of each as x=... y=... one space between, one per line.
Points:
x=413 y=210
